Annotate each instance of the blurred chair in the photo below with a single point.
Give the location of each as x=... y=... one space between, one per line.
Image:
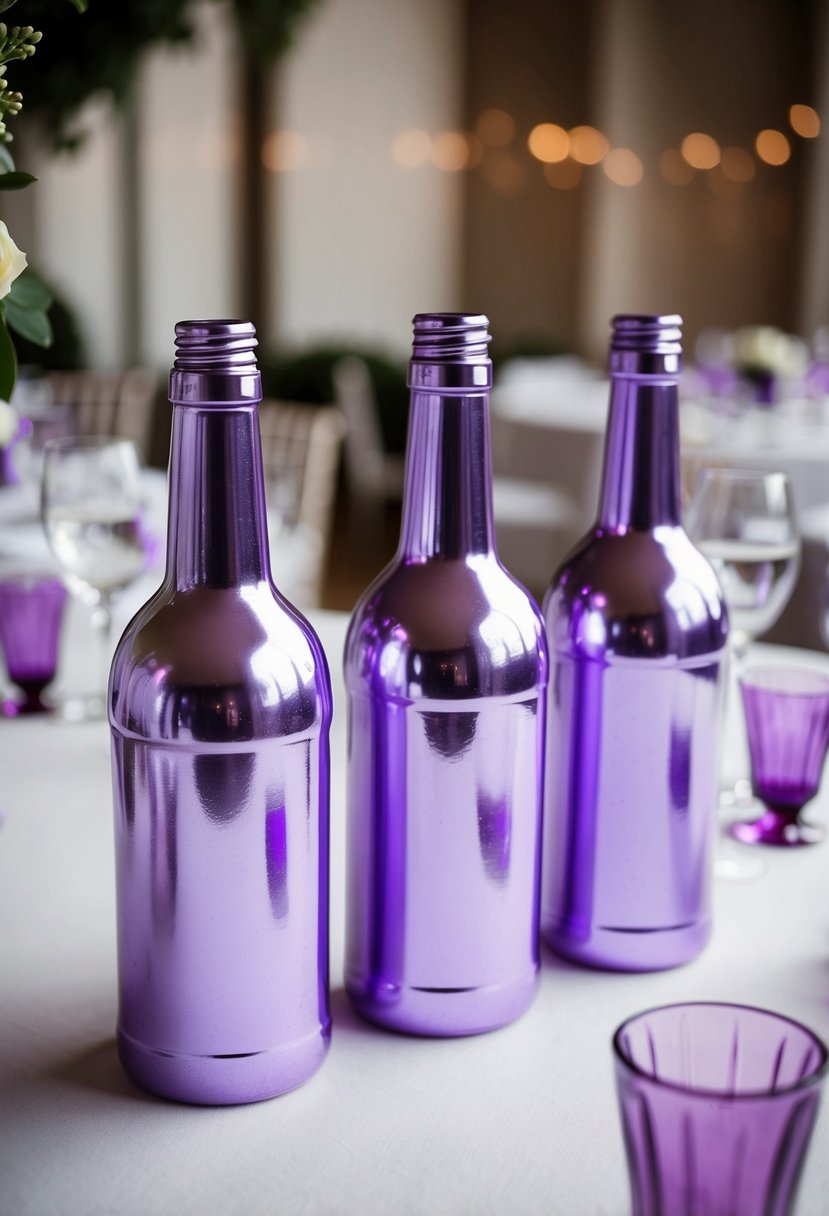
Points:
x=374 y=476
x=109 y=403
x=535 y=522
x=300 y=454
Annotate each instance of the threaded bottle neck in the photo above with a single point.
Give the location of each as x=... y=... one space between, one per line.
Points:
x=648 y=345
x=215 y=364
x=449 y=353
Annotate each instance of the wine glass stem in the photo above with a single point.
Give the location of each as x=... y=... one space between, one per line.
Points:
x=102 y=623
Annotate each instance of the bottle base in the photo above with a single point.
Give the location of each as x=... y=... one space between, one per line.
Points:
x=630 y=949
x=223 y=1080
x=441 y=1012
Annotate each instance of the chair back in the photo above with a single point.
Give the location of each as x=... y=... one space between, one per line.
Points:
x=109 y=403
x=300 y=455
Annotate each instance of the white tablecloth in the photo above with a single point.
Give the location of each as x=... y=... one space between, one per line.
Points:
x=515 y=1123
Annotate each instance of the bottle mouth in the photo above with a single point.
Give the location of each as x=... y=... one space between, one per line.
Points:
x=646 y=344
x=215 y=346
x=449 y=352
x=215 y=363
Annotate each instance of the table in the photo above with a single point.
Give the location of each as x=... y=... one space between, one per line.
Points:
x=516 y=1123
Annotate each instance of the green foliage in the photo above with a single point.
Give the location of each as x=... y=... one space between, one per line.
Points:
x=15 y=180
x=66 y=352
x=306 y=377
x=26 y=308
x=8 y=362
x=101 y=53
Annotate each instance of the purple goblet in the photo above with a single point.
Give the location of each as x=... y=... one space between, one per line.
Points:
x=718 y=1103
x=787 y=721
x=31 y=610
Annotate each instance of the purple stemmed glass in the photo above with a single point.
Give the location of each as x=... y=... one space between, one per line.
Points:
x=787 y=721
x=718 y=1103
x=31 y=610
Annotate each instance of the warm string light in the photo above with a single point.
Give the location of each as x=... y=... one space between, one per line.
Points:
x=564 y=153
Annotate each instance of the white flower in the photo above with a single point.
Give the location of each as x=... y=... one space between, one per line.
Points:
x=12 y=261
x=8 y=424
x=767 y=349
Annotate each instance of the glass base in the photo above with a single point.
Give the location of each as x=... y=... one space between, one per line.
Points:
x=89 y=707
x=22 y=709
x=775 y=828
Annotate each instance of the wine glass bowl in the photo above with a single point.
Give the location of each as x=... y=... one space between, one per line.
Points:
x=744 y=522
x=91 y=510
x=31 y=611
x=787 y=719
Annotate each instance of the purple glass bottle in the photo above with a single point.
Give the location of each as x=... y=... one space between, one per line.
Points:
x=637 y=628
x=446 y=672
x=220 y=705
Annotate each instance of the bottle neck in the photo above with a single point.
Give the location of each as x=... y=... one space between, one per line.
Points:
x=640 y=481
x=217 y=533
x=447 y=501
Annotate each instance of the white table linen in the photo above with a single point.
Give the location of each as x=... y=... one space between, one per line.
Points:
x=514 y=1123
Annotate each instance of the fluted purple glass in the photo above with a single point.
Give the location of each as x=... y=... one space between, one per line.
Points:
x=637 y=628
x=717 y=1103
x=787 y=721
x=220 y=704
x=31 y=613
x=446 y=669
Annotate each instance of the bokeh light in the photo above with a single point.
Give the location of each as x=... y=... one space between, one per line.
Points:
x=587 y=145
x=495 y=127
x=804 y=121
x=411 y=148
x=700 y=150
x=737 y=164
x=450 y=151
x=563 y=175
x=623 y=167
x=505 y=173
x=674 y=168
x=284 y=150
x=772 y=147
x=549 y=142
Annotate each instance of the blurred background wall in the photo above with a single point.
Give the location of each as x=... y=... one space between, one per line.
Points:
x=392 y=173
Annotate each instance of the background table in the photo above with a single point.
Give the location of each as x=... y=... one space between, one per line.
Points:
x=518 y=1122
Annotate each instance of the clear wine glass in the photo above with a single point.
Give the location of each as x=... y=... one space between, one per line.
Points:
x=744 y=521
x=91 y=509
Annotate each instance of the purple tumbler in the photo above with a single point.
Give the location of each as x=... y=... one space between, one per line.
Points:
x=31 y=612
x=220 y=704
x=718 y=1103
x=637 y=629
x=446 y=669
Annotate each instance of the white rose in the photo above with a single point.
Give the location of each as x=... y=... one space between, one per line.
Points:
x=8 y=424
x=768 y=349
x=12 y=261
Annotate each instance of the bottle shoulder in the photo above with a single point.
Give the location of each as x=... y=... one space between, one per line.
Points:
x=220 y=665
x=446 y=629
x=636 y=595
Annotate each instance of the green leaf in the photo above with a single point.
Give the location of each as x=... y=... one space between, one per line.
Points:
x=4 y=4
x=6 y=162
x=8 y=364
x=80 y=5
x=16 y=180
x=28 y=291
x=29 y=323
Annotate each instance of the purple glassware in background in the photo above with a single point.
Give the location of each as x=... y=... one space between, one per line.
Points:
x=717 y=1103
x=31 y=612
x=787 y=721
x=445 y=668
x=637 y=628
x=220 y=704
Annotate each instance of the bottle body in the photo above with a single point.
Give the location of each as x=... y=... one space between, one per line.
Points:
x=220 y=705
x=637 y=629
x=445 y=671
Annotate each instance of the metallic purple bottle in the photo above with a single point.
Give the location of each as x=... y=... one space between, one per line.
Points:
x=220 y=704
x=446 y=671
x=637 y=628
